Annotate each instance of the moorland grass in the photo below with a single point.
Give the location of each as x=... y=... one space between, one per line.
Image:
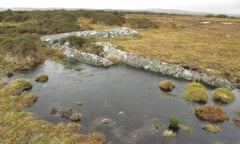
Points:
x=19 y=126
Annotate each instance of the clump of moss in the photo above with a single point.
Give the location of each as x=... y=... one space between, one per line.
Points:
x=211 y=128
x=157 y=124
x=41 y=77
x=237 y=111
x=185 y=128
x=223 y=95
x=166 y=85
x=169 y=134
x=195 y=92
x=78 y=69
x=18 y=86
x=142 y=23
x=113 y=58
x=236 y=121
x=174 y=123
x=211 y=113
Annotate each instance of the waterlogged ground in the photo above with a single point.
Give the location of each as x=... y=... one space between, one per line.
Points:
x=128 y=97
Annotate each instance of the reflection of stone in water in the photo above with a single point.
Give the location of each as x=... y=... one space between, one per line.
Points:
x=106 y=104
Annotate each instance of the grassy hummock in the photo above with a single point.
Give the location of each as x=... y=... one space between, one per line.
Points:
x=223 y=95
x=195 y=92
x=211 y=113
x=16 y=87
x=211 y=128
x=166 y=85
x=41 y=77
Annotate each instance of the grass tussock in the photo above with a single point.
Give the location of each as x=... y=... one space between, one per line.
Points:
x=195 y=92
x=41 y=77
x=223 y=95
x=211 y=113
x=166 y=85
x=18 y=126
x=16 y=87
x=211 y=128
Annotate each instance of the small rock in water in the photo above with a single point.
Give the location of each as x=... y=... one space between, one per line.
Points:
x=106 y=121
x=80 y=103
x=75 y=117
x=66 y=113
x=53 y=111
x=9 y=74
x=121 y=113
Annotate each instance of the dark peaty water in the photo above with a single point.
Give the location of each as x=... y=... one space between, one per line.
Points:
x=128 y=97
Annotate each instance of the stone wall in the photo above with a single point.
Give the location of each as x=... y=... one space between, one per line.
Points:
x=133 y=60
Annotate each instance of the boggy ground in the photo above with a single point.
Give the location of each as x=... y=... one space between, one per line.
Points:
x=18 y=126
x=214 y=48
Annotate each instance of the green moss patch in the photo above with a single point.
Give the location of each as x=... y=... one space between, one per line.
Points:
x=41 y=78
x=166 y=85
x=195 y=92
x=157 y=124
x=211 y=113
x=223 y=95
x=18 y=86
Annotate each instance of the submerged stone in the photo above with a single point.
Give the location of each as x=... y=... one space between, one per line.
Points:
x=66 y=113
x=75 y=117
x=106 y=121
x=53 y=111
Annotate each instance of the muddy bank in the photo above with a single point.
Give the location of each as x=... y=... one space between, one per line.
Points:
x=131 y=59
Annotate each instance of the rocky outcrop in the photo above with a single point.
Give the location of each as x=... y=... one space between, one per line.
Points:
x=131 y=59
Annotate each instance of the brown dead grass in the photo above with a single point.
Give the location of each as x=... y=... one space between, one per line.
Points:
x=214 y=48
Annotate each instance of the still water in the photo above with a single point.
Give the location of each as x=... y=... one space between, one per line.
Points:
x=130 y=98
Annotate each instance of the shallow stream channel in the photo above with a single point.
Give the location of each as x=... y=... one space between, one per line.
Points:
x=122 y=101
